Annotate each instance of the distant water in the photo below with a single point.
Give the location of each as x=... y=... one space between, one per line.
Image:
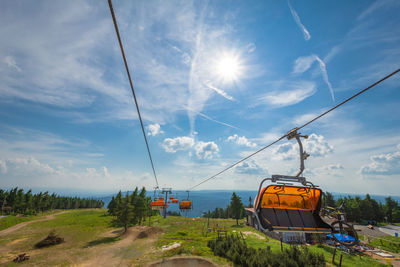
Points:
x=207 y=200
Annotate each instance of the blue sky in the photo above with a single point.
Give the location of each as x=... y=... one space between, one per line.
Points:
x=215 y=80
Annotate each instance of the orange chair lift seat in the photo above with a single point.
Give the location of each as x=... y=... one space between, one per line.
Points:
x=157 y=204
x=185 y=205
x=291 y=208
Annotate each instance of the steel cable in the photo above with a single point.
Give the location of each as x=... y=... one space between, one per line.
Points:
x=131 y=84
x=298 y=128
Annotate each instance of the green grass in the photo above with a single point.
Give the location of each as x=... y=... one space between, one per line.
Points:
x=82 y=230
x=11 y=220
x=89 y=233
x=193 y=237
x=388 y=243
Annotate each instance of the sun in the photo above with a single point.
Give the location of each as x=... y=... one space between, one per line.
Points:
x=228 y=67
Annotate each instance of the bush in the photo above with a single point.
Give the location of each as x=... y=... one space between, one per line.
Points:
x=236 y=250
x=51 y=240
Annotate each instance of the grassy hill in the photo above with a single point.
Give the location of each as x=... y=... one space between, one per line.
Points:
x=90 y=240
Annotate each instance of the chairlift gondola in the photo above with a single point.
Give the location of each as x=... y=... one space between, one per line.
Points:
x=186 y=204
x=158 y=203
x=289 y=203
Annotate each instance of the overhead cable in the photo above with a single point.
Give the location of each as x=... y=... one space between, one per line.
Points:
x=298 y=128
x=131 y=84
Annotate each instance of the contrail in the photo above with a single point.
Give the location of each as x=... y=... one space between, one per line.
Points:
x=211 y=119
x=219 y=91
x=220 y=122
x=296 y=18
x=325 y=76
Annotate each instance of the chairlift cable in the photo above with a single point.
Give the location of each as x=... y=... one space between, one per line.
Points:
x=131 y=85
x=298 y=128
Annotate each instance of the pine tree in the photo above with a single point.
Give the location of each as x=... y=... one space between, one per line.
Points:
x=112 y=206
x=141 y=205
x=124 y=212
x=236 y=208
x=134 y=204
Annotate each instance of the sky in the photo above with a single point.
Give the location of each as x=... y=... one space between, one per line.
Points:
x=215 y=81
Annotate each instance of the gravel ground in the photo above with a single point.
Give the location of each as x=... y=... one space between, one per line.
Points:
x=390 y=229
x=361 y=229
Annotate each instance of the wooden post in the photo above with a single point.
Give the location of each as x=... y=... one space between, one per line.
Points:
x=333 y=256
x=340 y=262
x=281 y=241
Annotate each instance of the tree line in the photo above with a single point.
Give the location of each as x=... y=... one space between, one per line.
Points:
x=234 y=210
x=131 y=209
x=367 y=209
x=16 y=201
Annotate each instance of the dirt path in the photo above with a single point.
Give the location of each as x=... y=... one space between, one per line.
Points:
x=20 y=225
x=122 y=252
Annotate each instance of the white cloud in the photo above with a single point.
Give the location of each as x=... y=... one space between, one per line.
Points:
x=296 y=18
x=376 y=6
x=383 y=164
x=19 y=142
x=172 y=145
x=301 y=119
x=154 y=129
x=105 y=171
x=29 y=172
x=27 y=166
x=63 y=71
x=206 y=150
x=10 y=61
x=3 y=166
x=302 y=64
x=315 y=145
x=330 y=170
x=303 y=90
x=250 y=167
x=241 y=140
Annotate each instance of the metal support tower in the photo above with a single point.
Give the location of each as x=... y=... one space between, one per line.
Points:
x=166 y=191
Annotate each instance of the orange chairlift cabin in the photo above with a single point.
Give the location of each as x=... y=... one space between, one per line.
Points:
x=185 y=204
x=174 y=199
x=285 y=207
x=158 y=203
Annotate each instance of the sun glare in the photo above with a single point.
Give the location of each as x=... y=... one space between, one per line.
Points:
x=228 y=67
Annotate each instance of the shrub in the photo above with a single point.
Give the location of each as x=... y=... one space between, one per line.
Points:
x=236 y=250
x=51 y=240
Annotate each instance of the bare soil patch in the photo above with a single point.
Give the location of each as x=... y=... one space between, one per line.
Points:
x=183 y=262
x=253 y=234
x=120 y=253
